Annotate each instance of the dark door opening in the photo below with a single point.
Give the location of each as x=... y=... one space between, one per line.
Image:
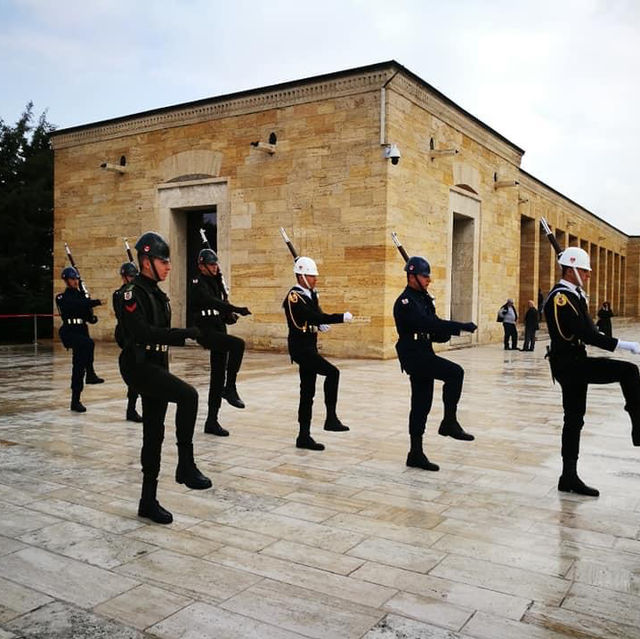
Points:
x=206 y=219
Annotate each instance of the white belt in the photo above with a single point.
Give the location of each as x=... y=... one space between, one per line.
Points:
x=209 y=311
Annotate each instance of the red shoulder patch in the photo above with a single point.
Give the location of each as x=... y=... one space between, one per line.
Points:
x=130 y=308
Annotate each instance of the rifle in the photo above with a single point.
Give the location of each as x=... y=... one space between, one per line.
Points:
x=550 y=236
x=399 y=246
x=289 y=244
x=128 y=249
x=93 y=319
x=206 y=244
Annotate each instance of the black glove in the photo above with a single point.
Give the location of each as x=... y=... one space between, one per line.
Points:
x=242 y=310
x=193 y=332
x=470 y=327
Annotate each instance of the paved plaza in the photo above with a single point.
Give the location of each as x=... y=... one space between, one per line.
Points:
x=344 y=543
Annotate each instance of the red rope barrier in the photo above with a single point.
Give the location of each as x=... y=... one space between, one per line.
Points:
x=30 y=315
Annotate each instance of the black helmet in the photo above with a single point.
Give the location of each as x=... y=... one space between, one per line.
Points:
x=417 y=266
x=207 y=256
x=69 y=272
x=128 y=269
x=153 y=245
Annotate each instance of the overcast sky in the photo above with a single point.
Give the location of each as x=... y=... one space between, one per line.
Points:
x=560 y=79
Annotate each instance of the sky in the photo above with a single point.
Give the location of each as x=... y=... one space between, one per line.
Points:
x=558 y=78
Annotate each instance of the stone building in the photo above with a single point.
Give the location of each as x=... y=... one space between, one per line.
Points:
x=457 y=196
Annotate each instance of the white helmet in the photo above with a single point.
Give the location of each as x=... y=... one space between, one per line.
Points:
x=305 y=266
x=575 y=257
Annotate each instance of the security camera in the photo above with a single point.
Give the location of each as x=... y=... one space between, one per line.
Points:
x=391 y=152
x=116 y=168
x=501 y=184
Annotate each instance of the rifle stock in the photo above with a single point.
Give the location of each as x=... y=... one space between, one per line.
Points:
x=289 y=244
x=128 y=249
x=550 y=236
x=399 y=246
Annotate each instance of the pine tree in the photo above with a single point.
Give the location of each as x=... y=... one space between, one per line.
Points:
x=26 y=223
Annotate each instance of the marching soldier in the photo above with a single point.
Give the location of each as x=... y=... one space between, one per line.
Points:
x=76 y=311
x=213 y=311
x=570 y=328
x=418 y=327
x=144 y=364
x=305 y=318
x=128 y=272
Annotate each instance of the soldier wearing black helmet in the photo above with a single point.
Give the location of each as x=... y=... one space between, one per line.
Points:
x=144 y=364
x=76 y=311
x=128 y=272
x=212 y=311
x=418 y=327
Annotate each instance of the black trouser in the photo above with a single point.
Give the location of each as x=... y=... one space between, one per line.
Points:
x=510 y=334
x=311 y=365
x=158 y=387
x=529 y=339
x=422 y=378
x=225 y=360
x=82 y=360
x=574 y=379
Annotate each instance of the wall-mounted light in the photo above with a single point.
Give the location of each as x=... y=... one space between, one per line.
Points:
x=440 y=153
x=121 y=167
x=267 y=147
x=502 y=184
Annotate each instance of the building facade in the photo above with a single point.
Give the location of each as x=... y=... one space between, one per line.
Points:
x=457 y=195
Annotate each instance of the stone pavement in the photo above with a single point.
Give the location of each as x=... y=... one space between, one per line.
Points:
x=343 y=543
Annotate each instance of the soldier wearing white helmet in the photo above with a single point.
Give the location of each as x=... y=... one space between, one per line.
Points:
x=305 y=318
x=570 y=329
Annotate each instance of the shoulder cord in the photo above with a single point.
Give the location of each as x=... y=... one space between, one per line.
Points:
x=555 y=314
x=302 y=328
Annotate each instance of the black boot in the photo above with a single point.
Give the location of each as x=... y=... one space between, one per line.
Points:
x=451 y=428
x=92 y=378
x=187 y=472
x=569 y=482
x=76 y=404
x=212 y=427
x=149 y=506
x=334 y=424
x=635 y=426
x=132 y=413
x=305 y=440
x=230 y=393
x=417 y=459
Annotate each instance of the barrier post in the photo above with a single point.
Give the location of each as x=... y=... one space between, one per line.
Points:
x=35 y=329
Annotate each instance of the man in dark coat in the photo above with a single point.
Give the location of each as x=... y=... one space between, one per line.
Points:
x=570 y=328
x=212 y=312
x=304 y=319
x=76 y=311
x=418 y=327
x=146 y=324
x=531 y=325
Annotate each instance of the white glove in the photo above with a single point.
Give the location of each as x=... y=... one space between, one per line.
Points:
x=347 y=317
x=323 y=328
x=633 y=347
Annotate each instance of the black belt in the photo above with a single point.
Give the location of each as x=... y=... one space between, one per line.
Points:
x=163 y=348
x=74 y=320
x=416 y=336
x=207 y=312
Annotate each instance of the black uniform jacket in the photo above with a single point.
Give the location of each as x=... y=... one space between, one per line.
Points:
x=571 y=327
x=304 y=315
x=418 y=326
x=117 y=300
x=146 y=319
x=209 y=305
x=76 y=311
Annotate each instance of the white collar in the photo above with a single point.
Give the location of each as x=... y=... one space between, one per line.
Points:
x=303 y=290
x=574 y=288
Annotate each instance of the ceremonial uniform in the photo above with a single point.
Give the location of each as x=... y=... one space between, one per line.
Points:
x=212 y=312
x=418 y=328
x=76 y=311
x=570 y=329
x=304 y=319
x=147 y=332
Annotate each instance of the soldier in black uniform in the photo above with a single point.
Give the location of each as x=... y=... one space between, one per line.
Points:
x=128 y=272
x=570 y=328
x=305 y=318
x=418 y=327
x=76 y=310
x=212 y=312
x=144 y=364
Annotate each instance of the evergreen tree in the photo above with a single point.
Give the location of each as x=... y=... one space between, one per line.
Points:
x=26 y=223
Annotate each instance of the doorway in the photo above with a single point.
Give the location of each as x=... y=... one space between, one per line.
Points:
x=462 y=262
